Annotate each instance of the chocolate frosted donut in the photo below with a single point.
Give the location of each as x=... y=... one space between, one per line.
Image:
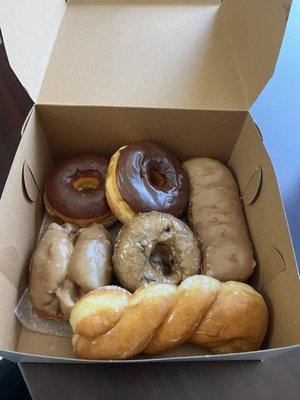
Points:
x=75 y=191
x=146 y=176
x=155 y=247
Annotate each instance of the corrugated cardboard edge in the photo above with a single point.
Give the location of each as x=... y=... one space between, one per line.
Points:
x=29 y=29
x=259 y=355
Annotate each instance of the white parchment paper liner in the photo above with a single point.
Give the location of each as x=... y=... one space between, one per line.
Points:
x=28 y=318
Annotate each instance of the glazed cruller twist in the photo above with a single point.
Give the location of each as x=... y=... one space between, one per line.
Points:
x=110 y=323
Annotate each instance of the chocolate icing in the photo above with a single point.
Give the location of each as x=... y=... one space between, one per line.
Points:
x=150 y=178
x=73 y=203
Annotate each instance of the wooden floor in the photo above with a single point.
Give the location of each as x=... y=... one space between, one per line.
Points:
x=276 y=379
x=14 y=106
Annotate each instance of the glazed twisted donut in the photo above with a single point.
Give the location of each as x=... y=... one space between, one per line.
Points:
x=110 y=323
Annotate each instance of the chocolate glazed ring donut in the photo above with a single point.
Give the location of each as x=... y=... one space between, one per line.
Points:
x=75 y=191
x=155 y=247
x=145 y=176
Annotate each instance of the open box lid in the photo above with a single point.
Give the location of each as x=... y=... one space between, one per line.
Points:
x=171 y=54
x=29 y=29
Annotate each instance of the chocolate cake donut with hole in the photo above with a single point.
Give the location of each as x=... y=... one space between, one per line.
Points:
x=75 y=191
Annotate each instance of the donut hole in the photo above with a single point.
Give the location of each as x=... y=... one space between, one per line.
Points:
x=86 y=183
x=162 y=259
x=156 y=178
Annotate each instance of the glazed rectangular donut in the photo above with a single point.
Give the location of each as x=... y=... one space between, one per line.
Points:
x=216 y=217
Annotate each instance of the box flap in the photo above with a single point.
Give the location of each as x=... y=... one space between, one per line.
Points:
x=167 y=54
x=256 y=29
x=163 y=53
x=29 y=30
x=159 y=54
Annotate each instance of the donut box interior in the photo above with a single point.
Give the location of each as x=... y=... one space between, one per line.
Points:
x=103 y=74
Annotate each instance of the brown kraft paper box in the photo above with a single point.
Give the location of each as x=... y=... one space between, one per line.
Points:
x=184 y=73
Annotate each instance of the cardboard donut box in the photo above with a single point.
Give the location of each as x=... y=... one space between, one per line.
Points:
x=184 y=73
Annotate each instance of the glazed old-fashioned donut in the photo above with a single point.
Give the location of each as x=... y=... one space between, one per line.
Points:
x=66 y=264
x=110 y=323
x=145 y=176
x=216 y=217
x=75 y=191
x=155 y=247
